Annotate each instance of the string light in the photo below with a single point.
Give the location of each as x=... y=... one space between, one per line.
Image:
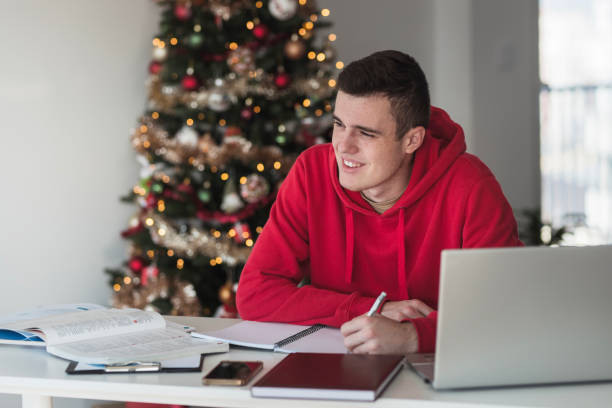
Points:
x=149 y=221
x=219 y=260
x=260 y=167
x=306 y=102
x=331 y=37
x=312 y=55
x=233 y=45
x=173 y=41
x=222 y=122
x=217 y=234
x=339 y=64
x=256 y=109
x=197 y=28
x=156 y=42
x=320 y=57
x=318 y=112
x=243 y=180
x=302 y=32
x=116 y=287
x=201 y=116
x=127 y=280
x=325 y=12
x=249 y=242
x=146 y=144
x=143 y=129
x=189 y=122
x=277 y=165
x=161 y=206
x=245 y=234
x=259 y=229
x=331 y=83
x=170 y=252
x=224 y=176
x=166 y=178
x=161 y=232
x=302 y=2
x=250 y=25
x=155 y=115
x=231 y=233
x=151 y=253
x=180 y=263
x=308 y=25
x=314 y=17
x=213 y=262
x=259 y=4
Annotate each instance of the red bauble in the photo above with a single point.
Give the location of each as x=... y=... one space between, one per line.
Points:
x=282 y=80
x=182 y=12
x=136 y=264
x=190 y=83
x=155 y=67
x=246 y=114
x=151 y=200
x=260 y=31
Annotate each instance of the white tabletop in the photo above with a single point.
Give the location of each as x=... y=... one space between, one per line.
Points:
x=37 y=375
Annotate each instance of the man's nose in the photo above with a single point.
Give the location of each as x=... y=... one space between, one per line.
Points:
x=346 y=143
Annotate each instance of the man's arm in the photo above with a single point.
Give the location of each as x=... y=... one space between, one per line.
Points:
x=268 y=288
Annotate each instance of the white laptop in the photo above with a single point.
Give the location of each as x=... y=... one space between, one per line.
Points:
x=511 y=316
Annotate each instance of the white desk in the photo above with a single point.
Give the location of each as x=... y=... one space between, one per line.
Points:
x=38 y=376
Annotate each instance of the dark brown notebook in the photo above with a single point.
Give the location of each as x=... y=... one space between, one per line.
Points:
x=329 y=376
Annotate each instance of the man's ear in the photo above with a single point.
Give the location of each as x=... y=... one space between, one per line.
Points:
x=413 y=139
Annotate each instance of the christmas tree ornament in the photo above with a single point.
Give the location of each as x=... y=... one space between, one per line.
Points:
x=182 y=12
x=282 y=80
x=218 y=99
x=187 y=136
x=204 y=196
x=241 y=60
x=155 y=67
x=190 y=83
x=283 y=9
x=160 y=54
x=295 y=48
x=255 y=188
x=246 y=113
x=136 y=264
x=231 y=200
x=195 y=40
x=260 y=31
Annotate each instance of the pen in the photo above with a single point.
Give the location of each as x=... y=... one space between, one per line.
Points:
x=377 y=303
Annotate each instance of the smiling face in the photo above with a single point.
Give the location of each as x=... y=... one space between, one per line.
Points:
x=370 y=157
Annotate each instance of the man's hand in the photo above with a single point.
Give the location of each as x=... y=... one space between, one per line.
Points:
x=405 y=309
x=379 y=335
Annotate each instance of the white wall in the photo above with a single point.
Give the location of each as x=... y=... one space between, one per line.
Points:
x=71 y=86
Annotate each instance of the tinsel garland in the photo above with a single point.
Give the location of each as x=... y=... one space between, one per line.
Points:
x=197 y=241
x=163 y=97
x=206 y=152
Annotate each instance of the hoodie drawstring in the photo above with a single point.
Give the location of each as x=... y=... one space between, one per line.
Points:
x=401 y=254
x=350 y=243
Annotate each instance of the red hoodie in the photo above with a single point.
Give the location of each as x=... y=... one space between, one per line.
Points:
x=351 y=253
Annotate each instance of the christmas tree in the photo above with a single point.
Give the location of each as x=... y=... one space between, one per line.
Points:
x=237 y=88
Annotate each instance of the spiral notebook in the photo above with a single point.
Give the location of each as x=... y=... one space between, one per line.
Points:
x=286 y=338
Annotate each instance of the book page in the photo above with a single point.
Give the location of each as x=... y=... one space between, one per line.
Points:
x=326 y=340
x=90 y=324
x=254 y=334
x=44 y=311
x=144 y=346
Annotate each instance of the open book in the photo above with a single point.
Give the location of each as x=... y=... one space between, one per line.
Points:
x=286 y=338
x=108 y=336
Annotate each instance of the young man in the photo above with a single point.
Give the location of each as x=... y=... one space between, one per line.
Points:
x=371 y=212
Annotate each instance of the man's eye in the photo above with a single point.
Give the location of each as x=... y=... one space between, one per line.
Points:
x=336 y=123
x=367 y=134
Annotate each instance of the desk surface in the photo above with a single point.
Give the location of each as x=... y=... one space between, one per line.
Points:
x=31 y=371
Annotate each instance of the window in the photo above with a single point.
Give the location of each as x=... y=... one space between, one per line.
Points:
x=576 y=117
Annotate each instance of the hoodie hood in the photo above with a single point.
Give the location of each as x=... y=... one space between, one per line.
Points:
x=444 y=142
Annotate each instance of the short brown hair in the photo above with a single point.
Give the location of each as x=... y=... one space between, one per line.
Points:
x=398 y=77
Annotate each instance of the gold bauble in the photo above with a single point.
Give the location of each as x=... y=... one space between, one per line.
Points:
x=226 y=293
x=294 y=49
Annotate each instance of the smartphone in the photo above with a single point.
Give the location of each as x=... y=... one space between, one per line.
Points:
x=232 y=372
